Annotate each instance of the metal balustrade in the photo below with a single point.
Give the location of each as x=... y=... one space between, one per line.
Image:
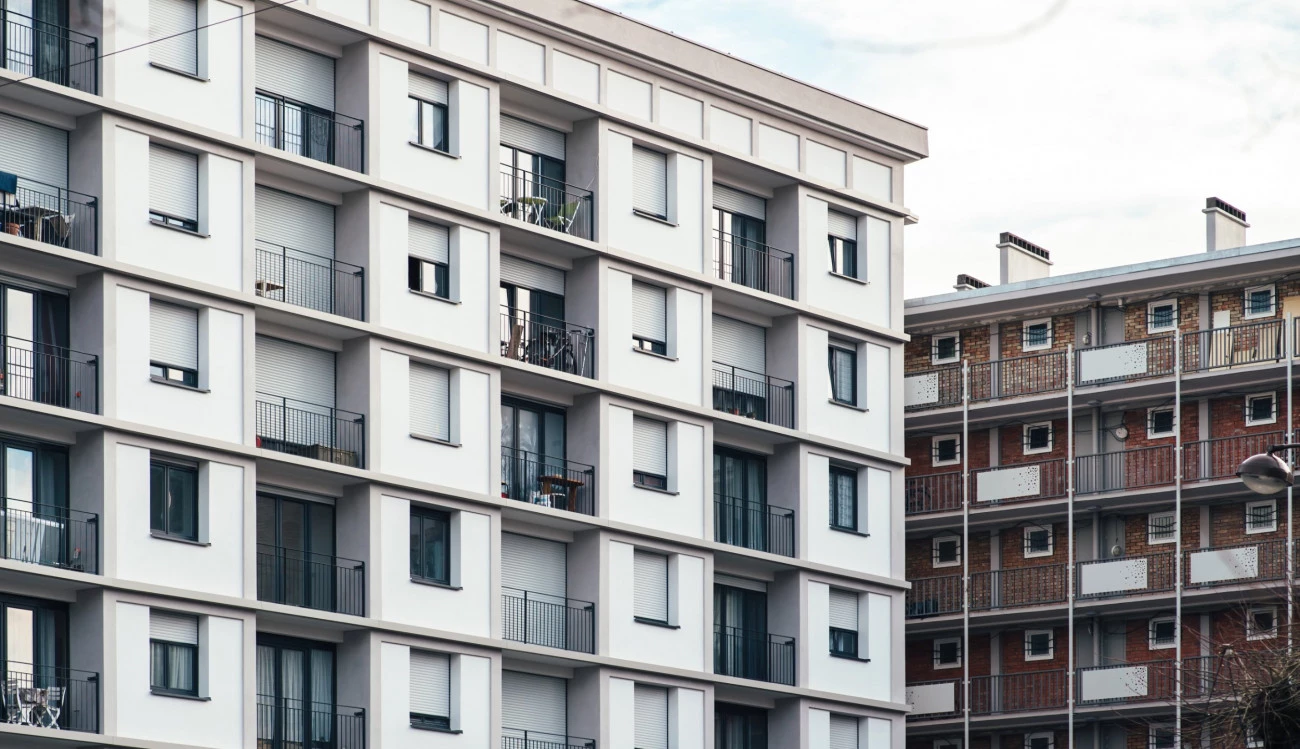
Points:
x=534 y=199
x=941 y=698
x=551 y=482
x=753 y=655
x=515 y=738
x=932 y=388
x=52 y=215
x=751 y=263
x=752 y=395
x=1218 y=458
x=50 y=536
x=49 y=52
x=50 y=697
x=1124 y=470
x=932 y=596
x=1018 y=482
x=1018 y=692
x=310 y=430
x=548 y=342
x=313 y=581
x=53 y=375
x=1120 y=683
x=305 y=130
x=936 y=492
x=753 y=525
x=1125 y=576
x=551 y=621
x=1234 y=346
x=1127 y=361
x=1019 y=376
x=303 y=279
x=1233 y=565
x=1018 y=586
x=287 y=723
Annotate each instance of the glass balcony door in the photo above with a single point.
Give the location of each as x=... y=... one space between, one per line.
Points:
x=35 y=38
x=34 y=503
x=739 y=727
x=740 y=244
x=295 y=694
x=535 y=187
x=740 y=623
x=296 y=563
x=533 y=436
x=35 y=326
x=740 y=488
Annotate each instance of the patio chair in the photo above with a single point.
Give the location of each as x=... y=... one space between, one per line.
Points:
x=53 y=707
x=512 y=348
x=12 y=709
x=58 y=229
x=563 y=220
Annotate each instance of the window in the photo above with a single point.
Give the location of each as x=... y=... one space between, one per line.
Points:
x=428 y=270
x=173 y=188
x=1261 y=623
x=1038 y=438
x=1036 y=335
x=1160 y=422
x=649 y=453
x=173 y=652
x=947 y=652
x=843 y=361
x=430 y=393
x=174 y=500
x=171 y=18
x=843 y=732
x=428 y=112
x=1260 y=409
x=946 y=551
x=1041 y=740
x=649 y=587
x=430 y=690
x=650 y=706
x=844 y=623
x=1160 y=736
x=1161 y=633
x=844 y=498
x=1258 y=301
x=1261 y=516
x=650 y=318
x=1162 y=316
x=1038 y=541
x=1160 y=528
x=650 y=182
x=430 y=545
x=945 y=450
x=1039 y=645
x=947 y=744
x=945 y=349
x=174 y=343
x=843 y=241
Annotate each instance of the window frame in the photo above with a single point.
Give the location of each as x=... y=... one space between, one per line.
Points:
x=1152 y=327
x=429 y=514
x=1246 y=313
x=837 y=346
x=834 y=508
x=168 y=466
x=1051 y=541
x=418 y=116
x=1173 y=528
x=667 y=591
x=1153 y=731
x=1249 y=417
x=935 y=647
x=1030 y=738
x=1152 y=642
x=936 y=542
x=429 y=721
x=846 y=637
x=167 y=645
x=956 y=348
x=416 y=277
x=1051 y=438
x=844 y=256
x=1251 y=633
x=1151 y=423
x=1025 y=345
x=667 y=176
x=1272 y=504
x=1051 y=644
x=934 y=450
x=174 y=222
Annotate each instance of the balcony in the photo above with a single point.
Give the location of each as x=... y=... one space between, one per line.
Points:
x=1019 y=586
x=937 y=492
x=1125 y=576
x=548 y=342
x=309 y=430
x=50 y=536
x=749 y=263
x=753 y=655
x=1125 y=470
x=51 y=53
x=307 y=131
x=61 y=699
x=550 y=621
x=1217 y=459
x=515 y=738
x=549 y=203
x=1018 y=376
x=752 y=525
x=1126 y=683
x=1233 y=565
x=752 y=395
x=311 y=581
x=550 y=482
x=285 y=723
x=1240 y=345
x=1019 y=482
x=52 y=215
x=934 y=699
x=302 y=279
x=1018 y=692
x=934 y=596
x=52 y=375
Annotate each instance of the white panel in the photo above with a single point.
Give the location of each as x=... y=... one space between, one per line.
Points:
x=650 y=181
x=930 y=699
x=295 y=73
x=33 y=151
x=826 y=163
x=431 y=683
x=169 y=17
x=778 y=146
x=1224 y=564
x=427 y=88
x=650 y=585
x=878 y=257
x=173 y=627
x=844 y=610
x=575 y=76
x=1112 y=362
x=521 y=57
x=735 y=201
x=842 y=225
x=533 y=703
x=870 y=178
x=921 y=389
x=292 y=370
x=1008 y=483
x=1113 y=683
x=740 y=344
x=294 y=222
x=463 y=37
x=651 y=717
x=428 y=241
x=649 y=311
x=681 y=113
x=531 y=137
x=174 y=182
x=1112 y=577
x=731 y=130
x=412 y=20
x=430 y=393
x=844 y=732
x=173 y=334
x=649 y=446
x=531 y=275
x=628 y=95
x=534 y=564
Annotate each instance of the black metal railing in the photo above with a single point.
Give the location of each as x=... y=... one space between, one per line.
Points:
x=43 y=50
x=1234 y=346
x=1018 y=692
x=936 y=492
x=310 y=430
x=1124 y=470
x=313 y=581
x=1128 y=361
x=308 y=131
x=543 y=480
x=51 y=697
x=53 y=375
x=51 y=215
x=548 y=342
x=753 y=264
x=1236 y=564
x=752 y=524
x=753 y=395
x=1219 y=458
x=550 y=203
x=312 y=281
x=551 y=621
x=932 y=596
x=753 y=655
x=1018 y=586
x=50 y=536
x=518 y=738
x=287 y=723
x=933 y=388
x=1023 y=375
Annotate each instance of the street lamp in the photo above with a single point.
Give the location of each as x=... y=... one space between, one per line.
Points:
x=1266 y=473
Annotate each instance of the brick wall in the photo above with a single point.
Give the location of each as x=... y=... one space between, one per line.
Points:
x=1062 y=336
x=1137 y=641
x=1135 y=534
x=920 y=658
x=1013 y=547
x=1136 y=423
x=918 y=352
x=920 y=555
x=1135 y=318
x=1011 y=447
x=1232 y=300
x=1228 y=415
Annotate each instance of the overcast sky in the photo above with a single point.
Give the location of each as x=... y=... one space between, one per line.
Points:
x=1094 y=128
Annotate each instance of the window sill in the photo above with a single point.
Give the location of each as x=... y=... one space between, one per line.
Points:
x=854 y=279
x=435 y=297
x=435 y=729
x=178 y=539
x=181 y=229
x=178 y=695
x=1037 y=452
x=1034 y=349
x=175 y=384
x=434 y=440
x=850 y=406
x=849 y=657
x=1261 y=423
x=431 y=149
x=435 y=584
x=1250 y=532
x=850 y=531
x=665 y=357
x=178 y=71
x=655 y=623
x=669 y=492
x=944 y=362
x=652 y=217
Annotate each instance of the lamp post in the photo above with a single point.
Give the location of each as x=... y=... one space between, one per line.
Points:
x=1266 y=473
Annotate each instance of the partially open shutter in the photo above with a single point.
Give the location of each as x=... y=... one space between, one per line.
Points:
x=428 y=241
x=844 y=610
x=174 y=182
x=292 y=370
x=740 y=344
x=651 y=706
x=649 y=311
x=735 y=201
x=169 y=626
x=534 y=565
x=170 y=18
x=530 y=275
x=649 y=446
x=844 y=732
x=650 y=585
x=35 y=152
x=430 y=401
x=294 y=222
x=173 y=335
x=295 y=73
x=842 y=225
x=533 y=138
x=536 y=704
x=430 y=89
x=431 y=684
x=649 y=181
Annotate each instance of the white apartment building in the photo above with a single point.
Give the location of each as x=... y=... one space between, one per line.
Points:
x=449 y=374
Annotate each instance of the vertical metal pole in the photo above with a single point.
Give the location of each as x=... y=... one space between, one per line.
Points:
x=1069 y=540
x=1178 y=538
x=965 y=550
x=1288 y=349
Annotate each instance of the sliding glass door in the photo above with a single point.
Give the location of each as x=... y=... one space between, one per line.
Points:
x=34 y=503
x=740 y=491
x=295 y=694
x=295 y=548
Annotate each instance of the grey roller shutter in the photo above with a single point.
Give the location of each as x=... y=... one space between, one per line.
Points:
x=428 y=241
x=172 y=17
x=35 y=152
x=292 y=370
x=430 y=401
x=649 y=311
x=844 y=610
x=295 y=73
x=844 y=732
x=740 y=344
x=429 y=89
x=649 y=585
x=842 y=225
x=532 y=138
x=649 y=181
x=173 y=335
x=531 y=275
x=649 y=446
x=735 y=201
x=534 y=565
x=651 y=706
x=174 y=182
x=536 y=704
x=172 y=627
x=431 y=684
x=294 y=222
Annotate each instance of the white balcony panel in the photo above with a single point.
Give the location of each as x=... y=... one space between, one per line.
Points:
x=1224 y=564
x=929 y=699
x=1113 y=577
x=921 y=389
x=1100 y=684
x=1008 y=483
x=1112 y=362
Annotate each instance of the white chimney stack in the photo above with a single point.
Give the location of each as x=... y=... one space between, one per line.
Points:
x=1022 y=260
x=967 y=282
x=1225 y=225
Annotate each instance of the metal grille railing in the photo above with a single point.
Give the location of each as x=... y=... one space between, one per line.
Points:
x=1123 y=470
x=51 y=215
x=1117 y=683
x=543 y=480
x=1025 y=375
x=1219 y=458
x=52 y=375
x=1234 y=346
x=314 y=581
x=1138 y=359
x=50 y=536
x=921 y=712
x=534 y=199
x=287 y=723
x=307 y=131
x=548 y=342
x=932 y=596
x=753 y=655
x=305 y=280
x=1233 y=565
x=517 y=738
x=1125 y=576
x=936 y=492
x=933 y=388
x=753 y=525
x=49 y=52
x=50 y=697
x=753 y=395
x=310 y=430
x=753 y=264
x=1018 y=692
x=551 y=621
x=1041 y=479
x=1018 y=586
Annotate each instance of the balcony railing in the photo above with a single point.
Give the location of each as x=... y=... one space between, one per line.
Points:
x=932 y=388
x=1018 y=586
x=515 y=738
x=51 y=53
x=550 y=203
x=52 y=375
x=1219 y=458
x=753 y=264
x=285 y=723
x=1235 y=346
x=307 y=131
x=1124 y=362
x=937 y=492
x=50 y=536
x=753 y=395
x=934 y=699
x=753 y=655
x=1018 y=692
x=1233 y=565
x=932 y=596
x=1125 y=470
x=753 y=525
x=1125 y=576
x=1211 y=676
x=548 y=342
x=312 y=281
x=550 y=621
x=312 y=581
x=48 y=697
x=1018 y=482
x=1023 y=375
x=51 y=215
x=543 y=480
x=310 y=430
x=1126 y=683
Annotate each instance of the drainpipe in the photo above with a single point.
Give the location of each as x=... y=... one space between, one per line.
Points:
x=1178 y=538
x=1069 y=537
x=1287 y=349
x=965 y=550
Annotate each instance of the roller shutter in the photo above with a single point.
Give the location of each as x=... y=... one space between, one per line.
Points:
x=35 y=152
x=430 y=401
x=533 y=138
x=740 y=344
x=172 y=17
x=735 y=201
x=174 y=182
x=844 y=610
x=649 y=446
x=292 y=370
x=649 y=181
x=172 y=627
x=650 y=585
x=173 y=335
x=431 y=684
x=649 y=311
x=844 y=732
x=651 y=717
x=295 y=222
x=531 y=275
x=428 y=241
x=536 y=704
x=842 y=225
x=534 y=565
x=295 y=73
x=429 y=89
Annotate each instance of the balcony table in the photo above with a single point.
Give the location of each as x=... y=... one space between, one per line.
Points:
x=555 y=484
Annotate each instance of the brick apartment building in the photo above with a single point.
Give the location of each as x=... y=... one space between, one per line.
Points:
x=1175 y=371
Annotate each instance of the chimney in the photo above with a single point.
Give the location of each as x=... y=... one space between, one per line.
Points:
x=1225 y=225
x=1022 y=260
x=968 y=283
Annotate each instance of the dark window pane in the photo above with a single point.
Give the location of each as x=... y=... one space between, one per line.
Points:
x=158 y=497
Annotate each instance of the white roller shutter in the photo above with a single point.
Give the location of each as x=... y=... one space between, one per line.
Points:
x=172 y=17
x=649 y=311
x=844 y=610
x=844 y=732
x=172 y=627
x=534 y=565
x=651 y=717
x=649 y=585
x=174 y=182
x=295 y=222
x=428 y=241
x=533 y=703
x=429 y=89
x=431 y=684
x=292 y=370
x=740 y=344
x=295 y=73
x=649 y=181
x=649 y=446
x=531 y=275
x=735 y=201
x=430 y=401
x=33 y=151
x=842 y=225
x=173 y=335
x=533 y=138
